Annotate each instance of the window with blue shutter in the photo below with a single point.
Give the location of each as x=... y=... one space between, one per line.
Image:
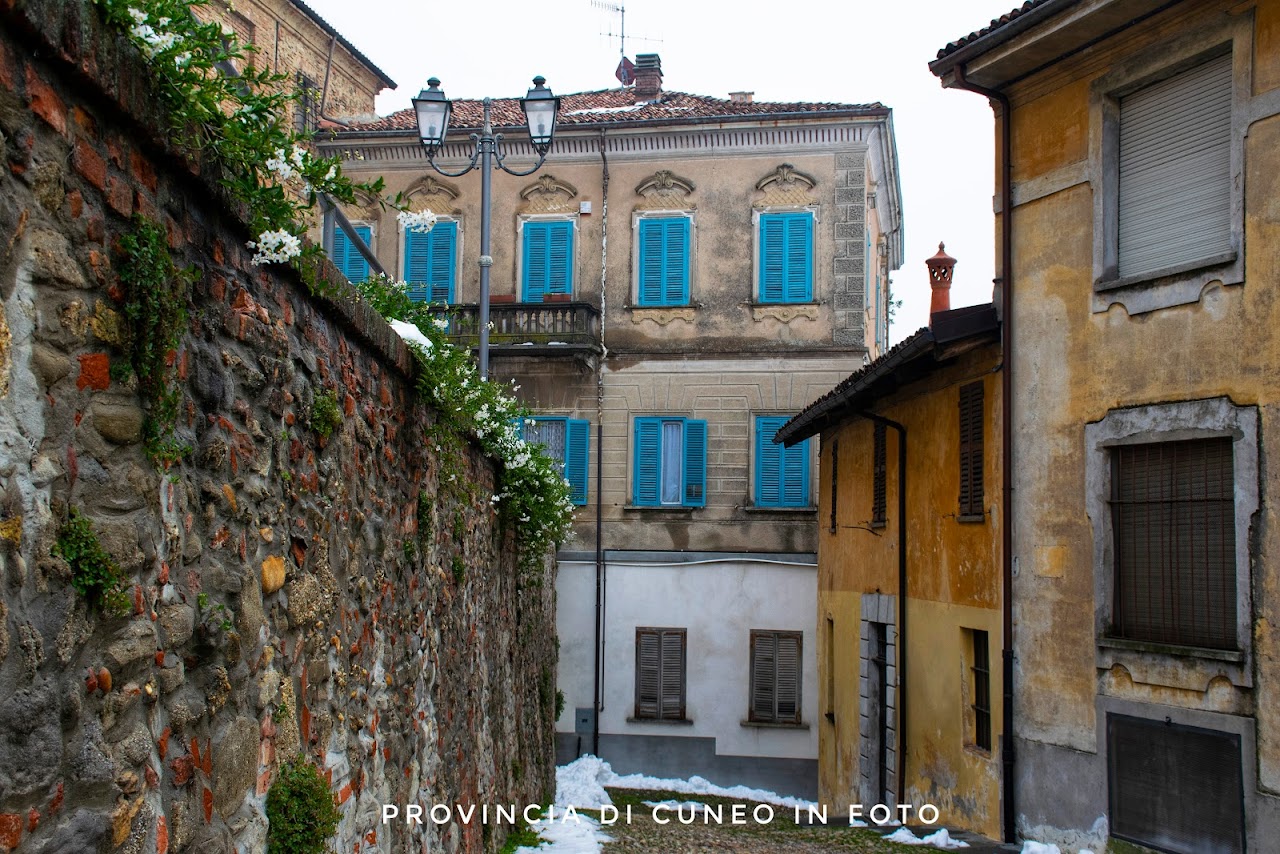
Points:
x=782 y=474
x=786 y=257
x=430 y=266
x=569 y=441
x=547 y=261
x=670 y=462
x=663 y=261
x=346 y=257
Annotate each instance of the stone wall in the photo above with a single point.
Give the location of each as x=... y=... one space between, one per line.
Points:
x=285 y=595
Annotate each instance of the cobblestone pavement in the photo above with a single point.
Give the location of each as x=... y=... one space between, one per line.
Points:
x=642 y=835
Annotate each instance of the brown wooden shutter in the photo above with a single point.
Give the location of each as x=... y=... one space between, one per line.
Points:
x=775 y=677
x=971 y=430
x=648 y=672
x=672 y=706
x=878 y=512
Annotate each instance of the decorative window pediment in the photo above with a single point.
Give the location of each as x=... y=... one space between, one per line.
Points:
x=548 y=194
x=785 y=185
x=664 y=190
x=433 y=194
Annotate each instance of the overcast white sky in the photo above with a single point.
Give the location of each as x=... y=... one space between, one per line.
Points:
x=850 y=51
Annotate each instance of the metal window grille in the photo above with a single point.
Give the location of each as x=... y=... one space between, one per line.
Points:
x=879 y=472
x=308 y=106
x=660 y=673
x=981 y=691
x=775 y=677
x=1173 y=787
x=1173 y=514
x=971 y=486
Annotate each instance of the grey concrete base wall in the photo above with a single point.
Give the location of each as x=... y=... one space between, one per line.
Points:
x=682 y=757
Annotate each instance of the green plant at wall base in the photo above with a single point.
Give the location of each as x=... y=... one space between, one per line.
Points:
x=521 y=836
x=156 y=292
x=242 y=122
x=325 y=414
x=459 y=570
x=93 y=573
x=300 y=812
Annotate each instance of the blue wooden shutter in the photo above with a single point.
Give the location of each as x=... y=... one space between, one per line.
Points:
x=786 y=257
x=782 y=474
x=695 y=463
x=347 y=258
x=547 y=265
x=664 y=261
x=429 y=263
x=648 y=452
x=577 y=444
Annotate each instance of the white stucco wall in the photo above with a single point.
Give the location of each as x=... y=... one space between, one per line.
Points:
x=718 y=601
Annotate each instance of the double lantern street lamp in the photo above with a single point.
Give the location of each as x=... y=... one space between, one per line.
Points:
x=433 y=109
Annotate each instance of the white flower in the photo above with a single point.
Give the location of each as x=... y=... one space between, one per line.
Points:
x=419 y=221
x=275 y=246
x=139 y=17
x=281 y=166
x=299 y=157
x=182 y=59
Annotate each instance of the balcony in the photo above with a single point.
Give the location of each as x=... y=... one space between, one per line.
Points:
x=530 y=328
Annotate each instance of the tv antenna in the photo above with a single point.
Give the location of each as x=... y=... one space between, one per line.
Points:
x=621 y=34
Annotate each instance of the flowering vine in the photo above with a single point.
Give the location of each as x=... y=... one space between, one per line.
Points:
x=532 y=490
x=241 y=121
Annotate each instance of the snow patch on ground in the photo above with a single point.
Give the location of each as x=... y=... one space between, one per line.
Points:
x=567 y=837
x=939 y=839
x=1032 y=847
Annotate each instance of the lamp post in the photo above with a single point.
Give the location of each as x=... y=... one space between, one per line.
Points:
x=433 y=110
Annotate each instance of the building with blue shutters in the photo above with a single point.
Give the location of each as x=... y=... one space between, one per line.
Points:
x=682 y=276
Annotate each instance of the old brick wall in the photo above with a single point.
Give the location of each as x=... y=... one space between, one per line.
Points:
x=286 y=595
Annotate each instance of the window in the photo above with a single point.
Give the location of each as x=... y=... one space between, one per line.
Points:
x=660 y=674
x=879 y=471
x=567 y=440
x=981 y=690
x=971 y=429
x=546 y=259
x=775 y=677
x=1168 y=156
x=1173 y=516
x=835 y=482
x=670 y=462
x=786 y=257
x=663 y=261
x=346 y=257
x=1174 y=203
x=782 y=474
x=430 y=263
x=307 y=118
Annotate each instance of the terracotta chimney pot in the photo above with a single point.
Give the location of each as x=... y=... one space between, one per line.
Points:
x=941 y=268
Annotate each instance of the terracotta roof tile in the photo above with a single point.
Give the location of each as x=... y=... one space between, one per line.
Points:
x=613 y=106
x=996 y=23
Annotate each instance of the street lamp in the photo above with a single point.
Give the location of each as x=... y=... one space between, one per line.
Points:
x=433 y=110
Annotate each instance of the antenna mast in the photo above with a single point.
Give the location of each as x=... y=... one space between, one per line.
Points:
x=622 y=23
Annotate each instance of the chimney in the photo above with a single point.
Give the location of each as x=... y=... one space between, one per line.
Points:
x=648 y=77
x=740 y=97
x=941 y=268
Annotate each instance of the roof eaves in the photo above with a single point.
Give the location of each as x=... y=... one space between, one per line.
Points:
x=958 y=54
x=342 y=40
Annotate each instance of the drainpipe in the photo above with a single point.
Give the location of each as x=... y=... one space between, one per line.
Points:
x=1006 y=438
x=902 y=596
x=598 y=701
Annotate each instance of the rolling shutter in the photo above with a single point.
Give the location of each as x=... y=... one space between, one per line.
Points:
x=1175 y=170
x=786 y=257
x=664 y=261
x=548 y=259
x=429 y=266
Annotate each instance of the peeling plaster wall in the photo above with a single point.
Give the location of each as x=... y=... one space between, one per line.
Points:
x=286 y=596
